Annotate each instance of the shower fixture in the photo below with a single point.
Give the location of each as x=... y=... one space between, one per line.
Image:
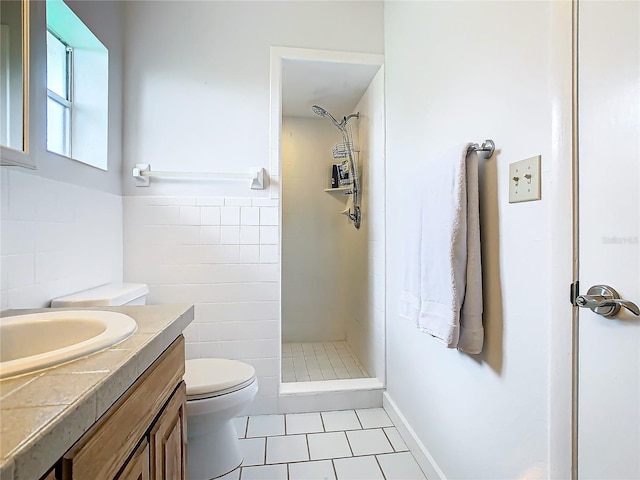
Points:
x=346 y=150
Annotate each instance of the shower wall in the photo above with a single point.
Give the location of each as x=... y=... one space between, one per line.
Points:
x=315 y=237
x=365 y=325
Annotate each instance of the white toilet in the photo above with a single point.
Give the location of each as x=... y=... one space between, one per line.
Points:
x=109 y=295
x=217 y=390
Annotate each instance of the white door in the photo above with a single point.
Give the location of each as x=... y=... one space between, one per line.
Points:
x=609 y=228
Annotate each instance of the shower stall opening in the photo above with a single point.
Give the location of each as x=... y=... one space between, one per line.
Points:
x=332 y=235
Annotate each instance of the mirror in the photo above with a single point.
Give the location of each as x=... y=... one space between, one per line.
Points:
x=14 y=83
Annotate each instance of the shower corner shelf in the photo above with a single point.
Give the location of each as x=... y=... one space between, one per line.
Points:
x=339 y=189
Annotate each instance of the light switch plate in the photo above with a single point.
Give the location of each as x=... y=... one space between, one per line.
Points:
x=524 y=180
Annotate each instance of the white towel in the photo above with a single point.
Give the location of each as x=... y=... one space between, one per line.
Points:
x=442 y=292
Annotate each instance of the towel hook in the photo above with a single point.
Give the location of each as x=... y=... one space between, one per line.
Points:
x=486 y=150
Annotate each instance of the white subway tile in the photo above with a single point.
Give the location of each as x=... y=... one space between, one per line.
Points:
x=265 y=202
x=230 y=235
x=249 y=311
x=210 y=215
x=210 y=235
x=269 y=272
x=168 y=200
x=192 y=333
x=249 y=216
x=269 y=253
x=268 y=215
x=189 y=215
x=269 y=235
x=18 y=237
x=208 y=350
x=31 y=296
x=163 y=215
x=237 y=201
x=20 y=270
x=210 y=332
x=23 y=191
x=249 y=253
x=51 y=266
x=210 y=201
x=229 y=215
x=249 y=235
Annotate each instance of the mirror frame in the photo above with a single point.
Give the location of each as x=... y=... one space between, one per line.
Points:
x=11 y=156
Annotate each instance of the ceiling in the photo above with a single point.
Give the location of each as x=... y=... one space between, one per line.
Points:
x=336 y=87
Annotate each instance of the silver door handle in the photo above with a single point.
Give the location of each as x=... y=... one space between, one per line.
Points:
x=605 y=301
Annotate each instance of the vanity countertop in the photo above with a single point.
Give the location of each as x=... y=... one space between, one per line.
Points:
x=44 y=413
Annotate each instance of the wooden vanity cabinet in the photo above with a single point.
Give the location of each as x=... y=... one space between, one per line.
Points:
x=137 y=468
x=143 y=435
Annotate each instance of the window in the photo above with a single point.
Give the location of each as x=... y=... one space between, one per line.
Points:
x=59 y=101
x=77 y=88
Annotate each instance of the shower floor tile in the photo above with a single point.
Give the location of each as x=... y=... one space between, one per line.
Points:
x=304 y=362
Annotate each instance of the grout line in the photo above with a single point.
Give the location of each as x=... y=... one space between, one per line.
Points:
x=265 y=451
x=358 y=417
x=349 y=443
x=333 y=464
x=380 y=467
x=246 y=427
x=388 y=439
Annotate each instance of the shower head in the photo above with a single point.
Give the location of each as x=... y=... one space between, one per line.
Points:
x=323 y=113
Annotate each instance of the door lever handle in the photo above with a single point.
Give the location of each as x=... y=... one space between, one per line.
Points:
x=605 y=301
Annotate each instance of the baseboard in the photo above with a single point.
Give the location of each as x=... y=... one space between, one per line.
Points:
x=419 y=451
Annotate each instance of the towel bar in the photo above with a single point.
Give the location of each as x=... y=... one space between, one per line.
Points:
x=487 y=148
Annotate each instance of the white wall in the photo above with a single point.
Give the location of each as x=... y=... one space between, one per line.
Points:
x=56 y=239
x=316 y=254
x=365 y=326
x=62 y=223
x=198 y=100
x=467 y=71
x=197 y=80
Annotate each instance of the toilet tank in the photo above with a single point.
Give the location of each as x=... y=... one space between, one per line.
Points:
x=109 y=295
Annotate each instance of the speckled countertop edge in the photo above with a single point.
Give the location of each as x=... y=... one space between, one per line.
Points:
x=44 y=413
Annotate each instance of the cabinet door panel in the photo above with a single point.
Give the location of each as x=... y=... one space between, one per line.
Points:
x=169 y=439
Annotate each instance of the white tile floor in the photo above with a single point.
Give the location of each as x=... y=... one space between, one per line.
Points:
x=304 y=362
x=341 y=445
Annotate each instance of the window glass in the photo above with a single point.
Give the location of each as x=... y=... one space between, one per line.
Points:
x=57 y=128
x=56 y=66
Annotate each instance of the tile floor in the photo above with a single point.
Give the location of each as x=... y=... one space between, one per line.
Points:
x=337 y=445
x=303 y=362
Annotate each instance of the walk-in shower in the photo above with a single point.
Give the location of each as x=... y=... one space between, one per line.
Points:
x=346 y=150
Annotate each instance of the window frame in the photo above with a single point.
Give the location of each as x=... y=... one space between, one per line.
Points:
x=65 y=103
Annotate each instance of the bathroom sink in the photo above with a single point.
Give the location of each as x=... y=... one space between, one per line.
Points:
x=40 y=340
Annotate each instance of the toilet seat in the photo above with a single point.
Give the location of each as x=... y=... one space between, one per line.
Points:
x=213 y=377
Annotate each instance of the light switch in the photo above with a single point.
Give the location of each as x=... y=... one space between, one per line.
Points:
x=524 y=180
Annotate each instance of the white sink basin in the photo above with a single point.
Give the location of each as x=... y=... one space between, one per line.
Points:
x=40 y=340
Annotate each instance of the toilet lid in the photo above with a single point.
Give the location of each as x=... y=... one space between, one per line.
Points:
x=208 y=377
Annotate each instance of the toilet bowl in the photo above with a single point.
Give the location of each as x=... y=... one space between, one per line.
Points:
x=217 y=391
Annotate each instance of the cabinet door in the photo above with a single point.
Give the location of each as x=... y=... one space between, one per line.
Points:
x=50 y=476
x=137 y=468
x=169 y=439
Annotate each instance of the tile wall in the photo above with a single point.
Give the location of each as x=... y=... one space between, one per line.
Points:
x=221 y=254
x=56 y=238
